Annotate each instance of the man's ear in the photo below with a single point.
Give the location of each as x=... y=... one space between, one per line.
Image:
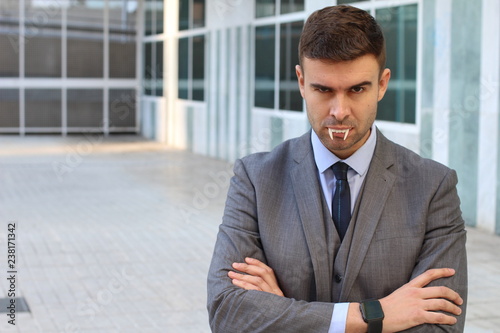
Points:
x=300 y=79
x=383 y=83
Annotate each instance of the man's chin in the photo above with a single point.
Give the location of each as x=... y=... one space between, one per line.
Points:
x=340 y=147
x=338 y=144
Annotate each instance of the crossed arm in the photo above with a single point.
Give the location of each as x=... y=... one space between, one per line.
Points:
x=411 y=305
x=254 y=301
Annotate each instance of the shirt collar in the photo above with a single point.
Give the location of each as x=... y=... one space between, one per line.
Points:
x=359 y=161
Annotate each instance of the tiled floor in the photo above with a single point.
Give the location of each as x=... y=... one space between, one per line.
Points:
x=116 y=235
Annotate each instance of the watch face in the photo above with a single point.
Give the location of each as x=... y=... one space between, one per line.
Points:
x=372 y=310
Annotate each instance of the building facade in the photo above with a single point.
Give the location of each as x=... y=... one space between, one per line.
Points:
x=229 y=85
x=217 y=77
x=68 y=66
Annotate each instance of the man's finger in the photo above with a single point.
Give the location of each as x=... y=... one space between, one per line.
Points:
x=257 y=268
x=441 y=292
x=430 y=275
x=256 y=262
x=249 y=280
x=244 y=285
x=442 y=305
x=257 y=274
x=439 y=318
x=249 y=269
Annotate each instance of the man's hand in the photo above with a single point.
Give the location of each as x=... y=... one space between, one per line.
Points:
x=414 y=304
x=411 y=305
x=258 y=276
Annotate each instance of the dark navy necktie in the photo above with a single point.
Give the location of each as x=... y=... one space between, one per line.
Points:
x=341 y=203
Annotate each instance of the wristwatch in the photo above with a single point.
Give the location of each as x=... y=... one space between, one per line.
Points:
x=372 y=315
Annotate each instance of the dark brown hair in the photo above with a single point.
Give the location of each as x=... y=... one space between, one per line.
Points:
x=341 y=33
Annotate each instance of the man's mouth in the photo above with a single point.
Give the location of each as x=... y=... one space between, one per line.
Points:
x=332 y=131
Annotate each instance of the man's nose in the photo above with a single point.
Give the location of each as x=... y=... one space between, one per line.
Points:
x=339 y=107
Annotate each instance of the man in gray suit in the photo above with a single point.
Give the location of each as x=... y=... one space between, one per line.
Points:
x=287 y=259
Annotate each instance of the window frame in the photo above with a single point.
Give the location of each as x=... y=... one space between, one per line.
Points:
x=30 y=24
x=276 y=20
x=190 y=86
x=190 y=34
x=191 y=18
x=392 y=125
x=153 y=24
x=369 y=5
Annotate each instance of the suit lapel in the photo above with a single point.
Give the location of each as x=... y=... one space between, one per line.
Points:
x=378 y=184
x=309 y=199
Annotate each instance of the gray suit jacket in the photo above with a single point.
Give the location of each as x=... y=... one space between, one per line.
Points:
x=406 y=220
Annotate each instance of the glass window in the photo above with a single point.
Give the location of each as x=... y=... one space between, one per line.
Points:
x=344 y=2
x=191 y=14
x=43 y=39
x=122 y=108
x=159 y=69
x=9 y=107
x=159 y=17
x=191 y=71
x=153 y=68
x=148 y=68
x=43 y=108
x=122 y=42
x=122 y=58
x=184 y=14
x=400 y=29
x=198 y=68
x=85 y=107
x=85 y=44
x=265 y=8
x=264 y=66
x=9 y=39
x=9 y=56
x=198 y=13
x=290 y=6
x=153 y=22
x=148 y=18
x=290 y=98
x=183 y=70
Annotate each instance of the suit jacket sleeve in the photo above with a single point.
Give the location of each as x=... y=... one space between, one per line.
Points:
x=444 y=246
x=232 y=309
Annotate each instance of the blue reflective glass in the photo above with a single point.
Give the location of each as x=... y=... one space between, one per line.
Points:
x=399 y=25
x=264 y=66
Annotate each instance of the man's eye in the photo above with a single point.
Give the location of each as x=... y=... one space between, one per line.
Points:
x=323 y=90
x=357 y=89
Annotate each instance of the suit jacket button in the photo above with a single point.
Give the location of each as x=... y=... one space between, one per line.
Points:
x=338 y=278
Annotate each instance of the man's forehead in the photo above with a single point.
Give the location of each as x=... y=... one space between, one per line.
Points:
x=367 y=61
x=345 y=73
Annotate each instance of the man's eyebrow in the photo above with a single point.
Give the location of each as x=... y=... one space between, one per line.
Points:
x=323 y=87
x=362 y=84
x=320 y=86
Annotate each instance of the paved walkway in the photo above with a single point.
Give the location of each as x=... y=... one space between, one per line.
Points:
x=116 y=235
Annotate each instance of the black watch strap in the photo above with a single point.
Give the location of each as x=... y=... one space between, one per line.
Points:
x=375 y=326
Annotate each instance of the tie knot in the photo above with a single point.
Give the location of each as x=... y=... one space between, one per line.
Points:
x=340 y=170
